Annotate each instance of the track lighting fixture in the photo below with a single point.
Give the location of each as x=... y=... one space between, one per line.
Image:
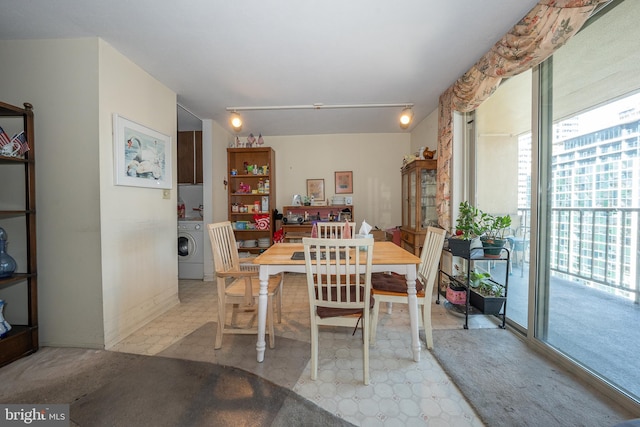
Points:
x=316 y=106
x=406 y=117
x=236 y=121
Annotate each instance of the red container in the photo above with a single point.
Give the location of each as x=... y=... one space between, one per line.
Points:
x=456 y=295
x=395 y=232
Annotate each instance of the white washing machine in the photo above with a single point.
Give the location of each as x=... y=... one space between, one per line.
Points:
x=190 y=250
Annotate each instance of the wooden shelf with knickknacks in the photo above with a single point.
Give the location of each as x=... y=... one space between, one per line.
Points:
x=251 y=197
x=298 y=219
x=18 y=276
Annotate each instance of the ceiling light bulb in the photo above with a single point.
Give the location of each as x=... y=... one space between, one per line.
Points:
x=406 y=117
x=236 y=121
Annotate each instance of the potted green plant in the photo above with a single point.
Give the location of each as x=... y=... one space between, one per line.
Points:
x=468 y=227
x=485 y=294
x=493 y=229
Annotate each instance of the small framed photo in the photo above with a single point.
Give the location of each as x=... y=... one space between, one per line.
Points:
x=142 y=156
x=344 y=182
x=315 y=189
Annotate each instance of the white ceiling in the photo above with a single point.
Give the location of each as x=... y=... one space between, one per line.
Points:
x=216 y=54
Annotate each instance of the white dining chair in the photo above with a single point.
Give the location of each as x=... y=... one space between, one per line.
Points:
x=339 y=284
x=239 y=285
x=391 y=287
x=333 y=230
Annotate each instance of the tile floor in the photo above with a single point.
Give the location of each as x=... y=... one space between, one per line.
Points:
x=401 y=392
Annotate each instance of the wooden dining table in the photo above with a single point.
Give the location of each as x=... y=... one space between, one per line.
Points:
x=387 y=256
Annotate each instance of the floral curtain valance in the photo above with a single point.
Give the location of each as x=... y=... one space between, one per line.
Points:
x=547 y=27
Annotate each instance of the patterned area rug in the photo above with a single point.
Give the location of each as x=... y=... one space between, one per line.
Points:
x=118 y=389
x=282 y=365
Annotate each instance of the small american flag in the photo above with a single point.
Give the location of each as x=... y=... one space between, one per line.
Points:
x=4 y=138
x=21 y=141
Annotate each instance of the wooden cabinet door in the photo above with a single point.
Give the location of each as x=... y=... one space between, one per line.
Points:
x=186 y=155
x=190 y=157
x=197 y=141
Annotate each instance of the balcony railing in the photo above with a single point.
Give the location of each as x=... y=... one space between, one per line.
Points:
x=598 y=247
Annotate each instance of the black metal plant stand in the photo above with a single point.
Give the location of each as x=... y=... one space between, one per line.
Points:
x=476 y=254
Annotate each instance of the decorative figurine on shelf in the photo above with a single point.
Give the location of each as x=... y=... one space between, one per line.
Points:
x=244 y=188
x=5 y=327
x=408 y=158
x=7 y=263
x=428 y=154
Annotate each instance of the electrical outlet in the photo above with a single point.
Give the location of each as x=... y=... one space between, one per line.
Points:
x=166 y=194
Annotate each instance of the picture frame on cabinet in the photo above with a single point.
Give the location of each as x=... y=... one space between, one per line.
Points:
x=315 y=189
x=142 y=156
x=344 y=182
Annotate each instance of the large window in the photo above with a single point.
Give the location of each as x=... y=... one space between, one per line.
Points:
x=584 y=199
x=588 y=306
x=503 y=179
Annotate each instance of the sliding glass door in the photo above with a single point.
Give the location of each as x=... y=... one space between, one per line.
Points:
x=558 y=149
x=588 y=303
x=503 y=180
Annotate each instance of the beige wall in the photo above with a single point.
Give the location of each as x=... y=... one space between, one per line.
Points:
x=107 y=257
x=138 y=226
x=65 y=101
x=215 y=140
x=425 y=133
x=375 y=160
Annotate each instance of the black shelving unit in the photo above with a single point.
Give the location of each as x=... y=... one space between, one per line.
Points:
x=476 y=254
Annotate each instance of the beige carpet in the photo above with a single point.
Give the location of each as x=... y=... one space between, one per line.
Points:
x=510 y=385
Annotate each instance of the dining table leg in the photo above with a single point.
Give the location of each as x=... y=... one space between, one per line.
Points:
x=413 y=311
x=262 y=311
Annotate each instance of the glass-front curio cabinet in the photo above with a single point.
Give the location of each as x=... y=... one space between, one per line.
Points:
x=418 y=203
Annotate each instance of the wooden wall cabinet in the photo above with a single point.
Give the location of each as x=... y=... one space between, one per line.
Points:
x=239 y=178
x=418 y=203
x=190 y=157
x=18 y=218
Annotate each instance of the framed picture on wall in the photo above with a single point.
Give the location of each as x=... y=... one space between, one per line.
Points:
x=142 y=156
x=344 y=182
x=315 y=189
